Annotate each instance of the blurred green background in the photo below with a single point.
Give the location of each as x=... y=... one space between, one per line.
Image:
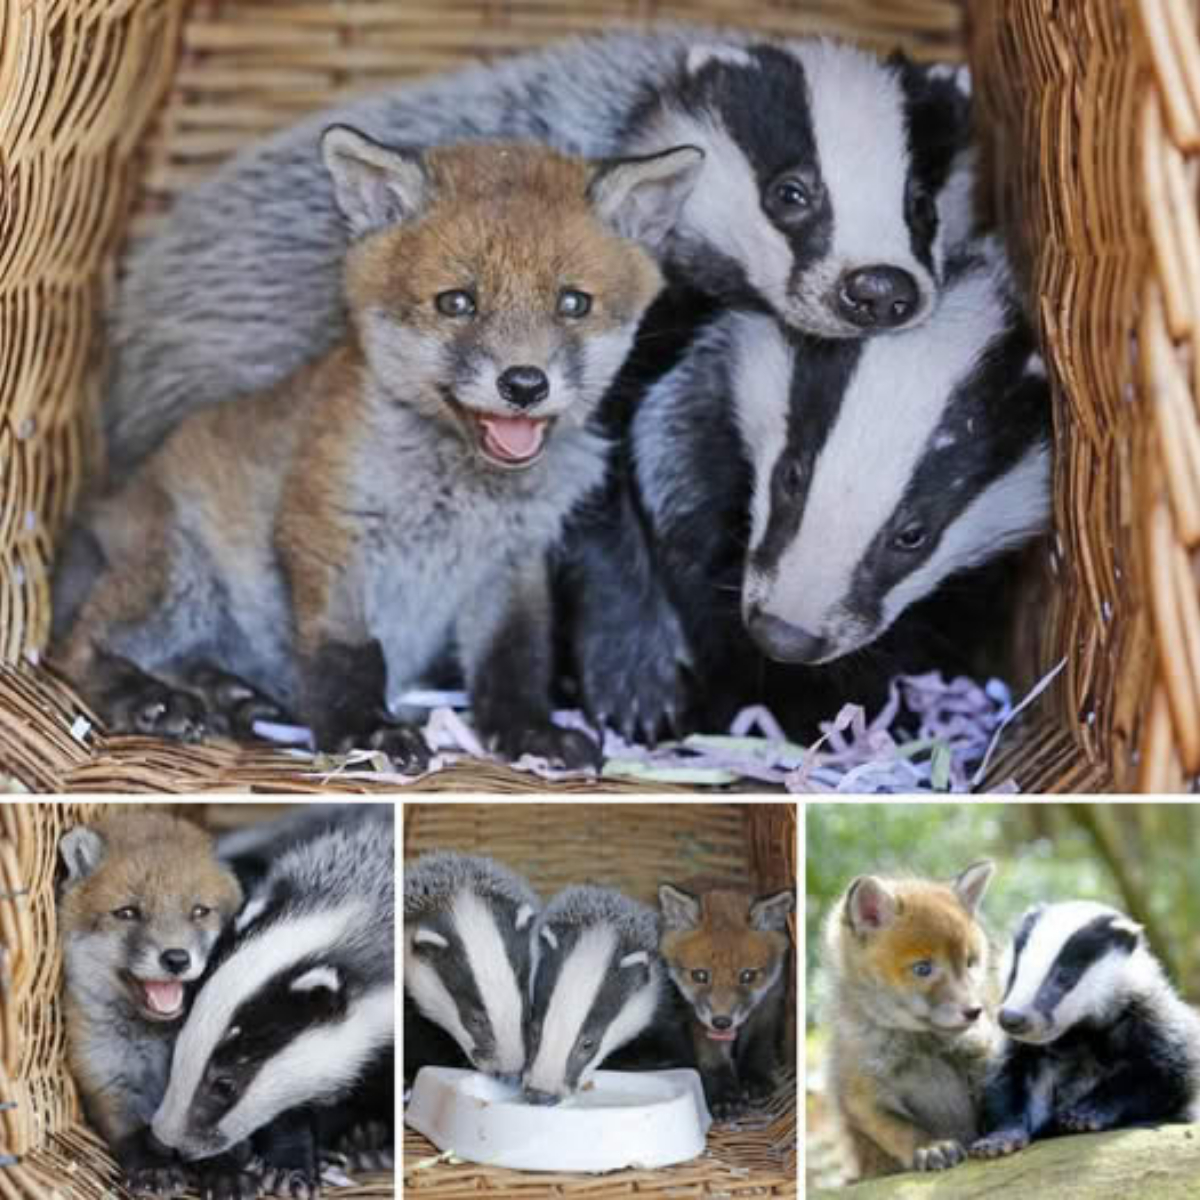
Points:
x=1142 y=858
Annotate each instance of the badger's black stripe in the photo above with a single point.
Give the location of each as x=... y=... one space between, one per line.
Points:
x=1082 y=950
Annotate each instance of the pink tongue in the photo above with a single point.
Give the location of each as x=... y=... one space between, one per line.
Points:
x=164 y=996
x=721 y=1037
x=513 y=438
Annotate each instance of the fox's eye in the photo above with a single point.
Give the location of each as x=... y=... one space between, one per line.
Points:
x=455 y=303
x=748 y=976
x=972 y=962
x=700 y=976
x=200 y=912
x=128 y=913
x=574 y=304
x=922 y=969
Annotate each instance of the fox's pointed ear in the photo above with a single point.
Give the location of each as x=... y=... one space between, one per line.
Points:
x=680 y=909
x=970 y=886
x=870 y=905
x=770 y=913
x=375 y=186
x=82 y=851
x=640 y=198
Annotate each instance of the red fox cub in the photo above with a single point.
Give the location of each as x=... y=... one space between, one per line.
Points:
x=728 y=953
x=912 y=1030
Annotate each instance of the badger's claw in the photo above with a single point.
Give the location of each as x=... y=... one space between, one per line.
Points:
x=404 y=745
x=291 y=1182
x=1083 y=1118
x=939 y=1156
x=568 y=749
x=151 y=707
x=163 y=1180
x=228 y=1181
x=370 y=1146
x=1000 y=1144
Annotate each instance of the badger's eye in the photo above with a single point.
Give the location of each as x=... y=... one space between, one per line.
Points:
x=456 y=303
x=748 y=976
x=224 y=1088
x=911 y=537
x=700 y=976
x=587 y=1044
x=129 y=913
x=574 y=304
x=791 y=193
x=792 y=196
x=200 y=912
x=922 y=969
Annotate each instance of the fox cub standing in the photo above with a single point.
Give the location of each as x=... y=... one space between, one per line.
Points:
x=728 y=954
x=141 y=907
x=911 y=1021
x=327 y=541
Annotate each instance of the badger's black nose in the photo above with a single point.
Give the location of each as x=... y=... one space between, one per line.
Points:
x=783 y=641
x=523 y=386
x=722 y=1022
x=972 y=1014
x=533 y=1096
x=175 y=961
x=878 y=297
x=1013 y=1022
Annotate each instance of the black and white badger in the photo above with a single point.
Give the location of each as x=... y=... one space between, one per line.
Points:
x=1096 y=1036
x=791 y=500
x=598 y=983
x=468 y=933
x=289 y=1045
x=833 y=185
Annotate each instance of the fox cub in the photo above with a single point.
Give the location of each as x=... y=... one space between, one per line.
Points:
x=728 y=953
x=320 y=546
x=143 y=902
x=910 y=1017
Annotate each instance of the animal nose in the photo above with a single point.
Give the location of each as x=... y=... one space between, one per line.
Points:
x=523 y=386
x=878 y=297
x=972 y=1014
x=783 y=641
x=175 y=961
x=1013 y=1022
x=722 y=1022
x=533 y=1096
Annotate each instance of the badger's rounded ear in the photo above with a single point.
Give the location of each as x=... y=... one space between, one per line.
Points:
x=637 y=961
x=549 y=937
x=429 y=937
x=1128 y=929
x=640 y=198
x=525 y=914
x=375 y=186
x=970 y=886
x=770 y=913
x=82 y=851
x=708 y=53
x=870 y=905
x=317 y=979
x=680 y=909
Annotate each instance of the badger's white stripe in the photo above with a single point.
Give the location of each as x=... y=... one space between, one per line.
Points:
x=317 y=1066
x=251 y=913
x=495 y=979
x=698 y=57
x=318 y=977
x=433 y=1000
x=429 y=937
x=257 y=960
x=637 y=1013
x=575 y=990
x=524 y=915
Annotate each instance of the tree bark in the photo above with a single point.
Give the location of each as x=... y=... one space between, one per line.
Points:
x=1146 y=1164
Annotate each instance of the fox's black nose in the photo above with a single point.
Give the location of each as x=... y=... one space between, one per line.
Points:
x=783 y=641
x=533 y=1096
x=1013 y=1022
x=972 y=1014
x=878 y=297
x=175 y=961
x=523 y=386
x=722 y=1022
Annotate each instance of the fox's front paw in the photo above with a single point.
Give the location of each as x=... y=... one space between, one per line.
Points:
x=146 y=705
x=1083 y=1118
x=161 y=1180
x=1000 y=1144
x=370 y=1146
x=939 y=1156
x=234 y=705
x=568 y=749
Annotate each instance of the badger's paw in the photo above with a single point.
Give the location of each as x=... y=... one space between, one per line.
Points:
x=939 y=1156
x=161 y=1180
x=1082 y=1118
x=291 y=1182
x=154 y=708
x=728 y=1106
x=1000 y=1144
x=227 y=1181
x=370 y=1146
x=568 y=749
x=404 y=745
x=234 y=705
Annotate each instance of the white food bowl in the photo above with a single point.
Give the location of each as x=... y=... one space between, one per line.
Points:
x=626 y=1119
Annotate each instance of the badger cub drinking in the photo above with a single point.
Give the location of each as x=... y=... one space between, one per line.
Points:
x=140 y=910
x=329 y=539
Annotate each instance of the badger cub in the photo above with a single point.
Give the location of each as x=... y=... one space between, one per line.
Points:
x=141 y=907
x=728 y=954
x=326 y=541
x=1096 y=1037
x=907 y=961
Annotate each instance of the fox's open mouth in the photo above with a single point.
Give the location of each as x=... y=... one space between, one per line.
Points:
x=718 y=1035
x=511 y=443
x=158 y=999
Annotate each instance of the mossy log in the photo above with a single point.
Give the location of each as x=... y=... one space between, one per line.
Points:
x=1146 y=1164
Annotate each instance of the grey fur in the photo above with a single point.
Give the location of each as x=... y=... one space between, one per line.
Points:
x=240 y=288
x=583 y=905
x=434 y=879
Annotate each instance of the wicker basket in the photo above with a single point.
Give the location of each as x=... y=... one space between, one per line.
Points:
x=1090 y=111
x=46 y=1151
x=633 y=847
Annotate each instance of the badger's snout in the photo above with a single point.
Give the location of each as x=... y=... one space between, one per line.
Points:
x=783 y=641
x=878 y=297
x=1014 y=1023
x=545 y=1099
